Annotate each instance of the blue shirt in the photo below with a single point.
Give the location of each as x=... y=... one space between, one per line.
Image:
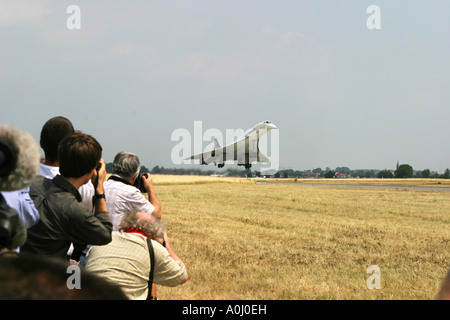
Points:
x=20 y=201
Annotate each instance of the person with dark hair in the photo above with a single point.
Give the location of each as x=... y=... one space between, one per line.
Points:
x=63 y=219
x=76 y=147
x=53 y=131
x=31 y=277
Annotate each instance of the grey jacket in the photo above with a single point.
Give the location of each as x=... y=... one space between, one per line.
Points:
x=63 y=219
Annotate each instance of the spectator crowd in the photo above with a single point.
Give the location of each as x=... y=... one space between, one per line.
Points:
x=72 y=214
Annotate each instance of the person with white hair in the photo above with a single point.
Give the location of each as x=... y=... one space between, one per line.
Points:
x=127 y=260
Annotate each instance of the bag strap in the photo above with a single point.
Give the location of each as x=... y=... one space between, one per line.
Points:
x=152 y=269
x=116 y=178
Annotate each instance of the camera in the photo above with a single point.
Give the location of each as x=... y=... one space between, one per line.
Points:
x=7 y=159
x=19 y=163
x=12 y=229
x=139 y=183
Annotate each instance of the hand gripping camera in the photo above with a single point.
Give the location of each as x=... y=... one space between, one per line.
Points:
x=139 y=183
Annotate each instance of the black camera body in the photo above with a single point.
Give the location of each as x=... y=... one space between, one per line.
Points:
x=139 y=183
x=12 y=229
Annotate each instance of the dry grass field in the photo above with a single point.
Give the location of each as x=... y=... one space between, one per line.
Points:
x=241 y=240
x=189 y=180
x=391 y=182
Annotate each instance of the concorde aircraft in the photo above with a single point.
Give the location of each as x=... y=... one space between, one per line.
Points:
x=245 y=150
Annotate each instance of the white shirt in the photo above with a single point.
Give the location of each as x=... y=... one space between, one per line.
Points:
x=48 y=171
x=122 y=198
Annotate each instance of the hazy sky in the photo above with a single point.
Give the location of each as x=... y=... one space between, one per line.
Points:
x=340 y=93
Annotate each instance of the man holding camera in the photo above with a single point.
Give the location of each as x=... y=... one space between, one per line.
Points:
x=63 y=219
x=121 y=194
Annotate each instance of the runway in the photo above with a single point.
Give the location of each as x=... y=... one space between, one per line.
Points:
x=421 y=188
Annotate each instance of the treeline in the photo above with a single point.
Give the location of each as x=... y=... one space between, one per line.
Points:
x=339 y=172
x=402 y=171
